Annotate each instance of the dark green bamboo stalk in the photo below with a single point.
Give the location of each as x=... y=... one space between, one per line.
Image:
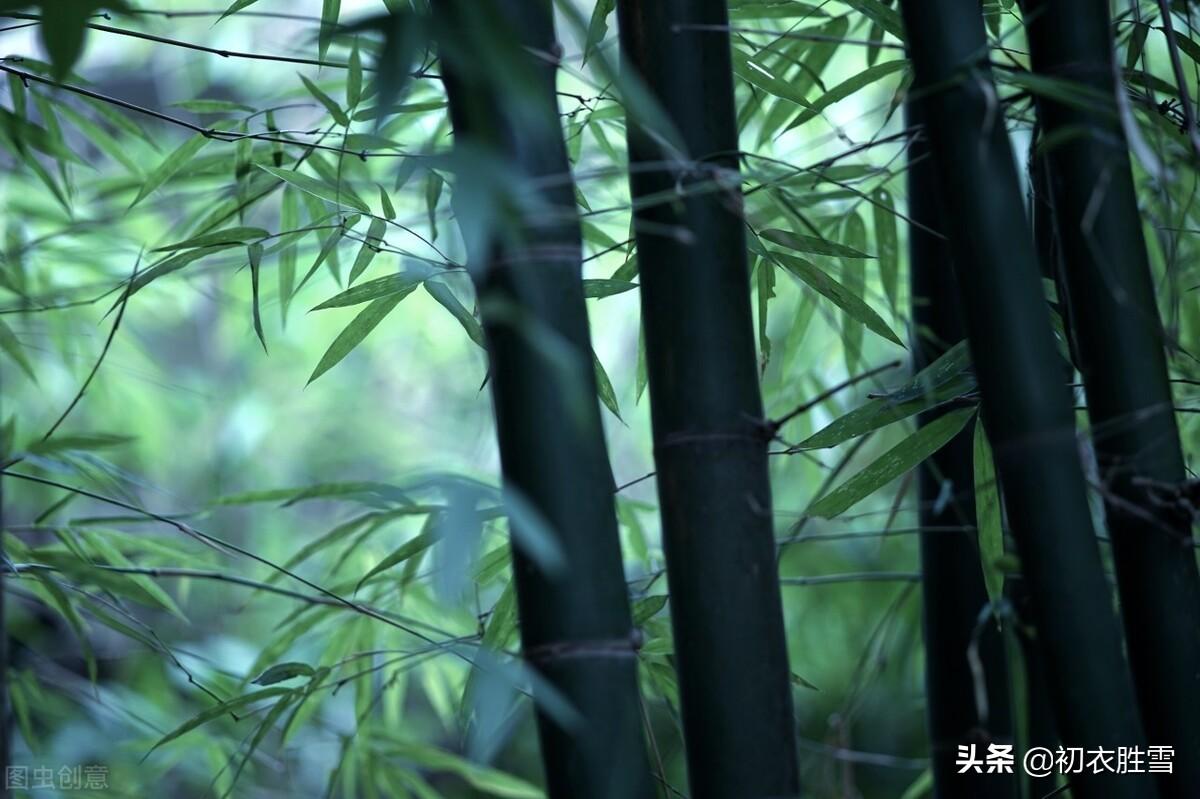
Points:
x=1026 y=405
x=710 y=440
x=952 y=580
x=1110 y=294
x=499 y=66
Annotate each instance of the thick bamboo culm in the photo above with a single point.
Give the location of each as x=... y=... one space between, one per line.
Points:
x=710 y=440
x=1027 y=407
x=576 y=627
x=1120 y=351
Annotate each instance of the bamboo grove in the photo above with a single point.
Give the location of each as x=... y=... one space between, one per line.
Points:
x=728 y=399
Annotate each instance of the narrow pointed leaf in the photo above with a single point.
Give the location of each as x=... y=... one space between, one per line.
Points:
x=366 y=321
x=895 y=462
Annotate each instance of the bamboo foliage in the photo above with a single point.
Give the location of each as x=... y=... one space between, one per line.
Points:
x=576 y=628
x=1120 y=343
x=1026 y=406
x=710 y=439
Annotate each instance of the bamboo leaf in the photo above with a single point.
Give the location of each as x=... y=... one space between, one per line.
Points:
x=369 y=249
x=283 y=671
x=887 y=244
x=13 y=349
x=895 y=462
x=481 y=778
x=354 y=77
x=330 y=9
x=604 y=387
x=644 y=609
x=233 y=235
x=811 y=244
x=175 y=161
x=944 y=380
x=215 y=712
x=355 y=332
x=389 y=211
x=318 y=188
x=846 y=88
x=445 y=297
x=753 y=72
x=400 y=283
x=596 y=288
x=254 y=252
x=235 y=7
x=413 y=546
x=839 y=295
x=335 y=110
x=987 y=516
x=289 y=218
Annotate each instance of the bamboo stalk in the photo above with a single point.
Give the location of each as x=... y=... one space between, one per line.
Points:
x=1118 y=333
x=710 y=439
x=952 y=578
x=576 y=628
x=1025 y=405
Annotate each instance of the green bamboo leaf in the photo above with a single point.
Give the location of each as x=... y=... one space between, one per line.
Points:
x=839 y=295
x=765 y=278
x=318 y=188
x=433 y=193
x=811 y=244
x=215 y=712
x=335 y=110
x=369 y=249
x=987 y=517
x=175 y=161
x=233 y=235
x=77 y=442
x=597 y=26
x=413 y=546
x=595 y=288
x=354 y=77
x=389 y=210
x=893 y=463
x=267 y=724
x=174 y=264
x=945 y=380
x=604 y=387
x=13 y=349
x=920 y=787
x=481 y=778
x=854 y=273
x=283 y=671
x=103 y=140
x=254 y=252
x=212 y=106
x=645 y=609
x=887 y=244
x=366 y=321
x=330 y=9
x=400 y=283
x=445 y=296
x=1137 y=43
x=289 y=219
x=848 y=87
x=235 y=7
x=753 y=72
x=883 y=16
